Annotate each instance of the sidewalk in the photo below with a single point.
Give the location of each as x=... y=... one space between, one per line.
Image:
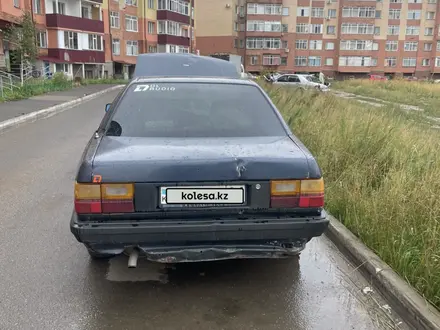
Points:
x=12 y=109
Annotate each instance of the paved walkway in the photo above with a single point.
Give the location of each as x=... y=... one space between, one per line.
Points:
x=14 y=109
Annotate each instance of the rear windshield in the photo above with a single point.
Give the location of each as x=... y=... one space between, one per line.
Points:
x=195 y=110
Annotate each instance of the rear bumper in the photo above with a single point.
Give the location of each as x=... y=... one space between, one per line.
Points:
x=202 y=239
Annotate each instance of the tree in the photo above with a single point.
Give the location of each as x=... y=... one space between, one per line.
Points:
x=22 y=36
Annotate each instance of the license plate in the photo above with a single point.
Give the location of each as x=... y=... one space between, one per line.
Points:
x=198 y=196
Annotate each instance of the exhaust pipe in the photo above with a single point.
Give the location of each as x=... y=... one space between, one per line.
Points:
x=133 y=258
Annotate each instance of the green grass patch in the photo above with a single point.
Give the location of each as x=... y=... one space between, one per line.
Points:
x=423 y=94
x=33 y=88
x=108 y=81
x=382 y=172
x=58 y=83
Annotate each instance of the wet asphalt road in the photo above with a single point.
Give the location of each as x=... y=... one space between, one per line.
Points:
x=48 y=282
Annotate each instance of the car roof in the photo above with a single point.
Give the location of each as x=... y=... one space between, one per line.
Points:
x=199 y=79
x=183 y=65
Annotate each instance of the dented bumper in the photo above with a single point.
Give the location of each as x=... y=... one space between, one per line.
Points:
x=189 y=240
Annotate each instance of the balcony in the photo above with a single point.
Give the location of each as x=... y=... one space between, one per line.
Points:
x=74 y=23
x=78 y=56
x=173 y=16
x=164 y=39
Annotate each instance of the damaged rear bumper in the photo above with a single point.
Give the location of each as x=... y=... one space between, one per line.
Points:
x=173 y=241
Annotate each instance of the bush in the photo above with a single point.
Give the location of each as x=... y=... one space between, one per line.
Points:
x=382 y=178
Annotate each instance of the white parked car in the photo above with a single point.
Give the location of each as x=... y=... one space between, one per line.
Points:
x=300 y=80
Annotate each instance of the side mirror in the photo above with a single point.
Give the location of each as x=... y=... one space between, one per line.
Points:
x=107 y=107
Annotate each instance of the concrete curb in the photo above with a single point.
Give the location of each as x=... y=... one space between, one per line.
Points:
x=44 y=113
x=404 y=299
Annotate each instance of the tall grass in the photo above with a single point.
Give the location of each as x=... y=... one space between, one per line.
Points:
x=422 y=94
x=382 y=175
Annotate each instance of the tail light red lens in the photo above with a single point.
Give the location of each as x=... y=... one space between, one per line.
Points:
x=297 y=193
x=104 y=198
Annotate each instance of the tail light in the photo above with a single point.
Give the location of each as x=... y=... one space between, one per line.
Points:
x=297 y=193
x=104 y=198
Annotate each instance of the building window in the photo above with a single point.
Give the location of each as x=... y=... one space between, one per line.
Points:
x=414 y=14
x=42 y=39
x=358 y=45
x=114 y=20
x=393 y=30
x=429 y=31
x=151 y=27
x=390 y=62
x=364 y=12
x=410 y=46
x=391 y=46
x=70 y=40
x=303 y=12
x=172 y=28
x=284 y=44
x=253 y=60
x=329 y=61
x=432 y=1
x=283 y=60
x=331 y=29
x=437 y=61
x=395 y=1
x=394 y=14
x=284 y=27
x=302 y=28
x=271 y=60
x=17 y=3
x=412 y=30
x=315 y=45
x=409 y=62
x=37 y=6
x=263 y=43
x=263 y=26
x=152 y=49
x=414 y=1
x=318 y=12
x=132 y=48
x=430 y=15
x=285 y=11
x=131 y=2
x=438 y=46
x=131 y=23
x=151 y=4
x=116 y=47
x=86 y=12
x=357 y=28
x=332 y=13
x=62 y=67
x=426 y=62
x=179 y=6
x=263 y=9
x=363 y=61
x=95 y=42
x=301 y=44
x=60 y=9
x=427 y=47
x=300 y=61
x=377 y=30
x=330 y=46
x=314 y=61
x=316 y=29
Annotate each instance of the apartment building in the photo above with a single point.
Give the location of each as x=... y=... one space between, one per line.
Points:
x=99 y=38
x=337 y=37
